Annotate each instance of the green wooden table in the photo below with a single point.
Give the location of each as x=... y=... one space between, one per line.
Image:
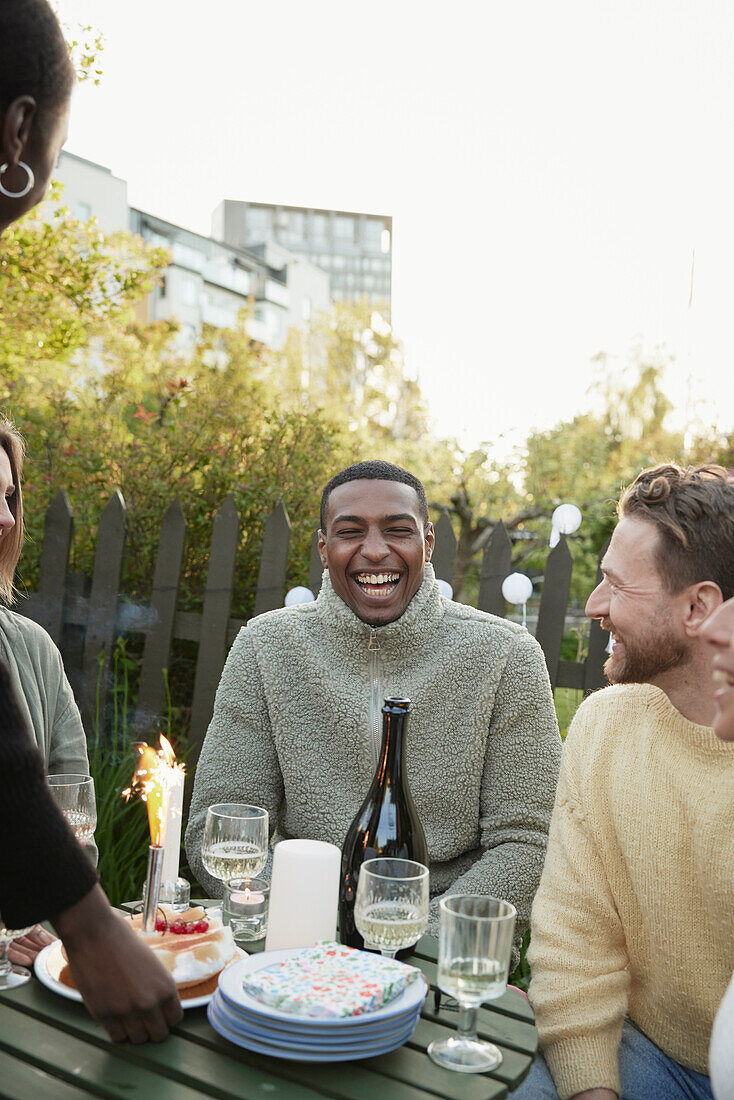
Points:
x=51 y=1048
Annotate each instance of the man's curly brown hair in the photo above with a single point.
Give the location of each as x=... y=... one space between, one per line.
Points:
x=693 y=510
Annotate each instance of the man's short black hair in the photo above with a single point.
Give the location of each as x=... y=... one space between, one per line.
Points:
x=375 y=469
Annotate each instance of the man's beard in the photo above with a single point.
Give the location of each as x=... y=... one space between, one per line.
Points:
x=640 y=662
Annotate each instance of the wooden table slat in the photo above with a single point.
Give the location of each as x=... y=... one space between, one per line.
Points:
x=406 y=1064
x=19 y=1081
x=514 y=1065
x=103 y=1071
x=177 y=1058
x=360 y=1080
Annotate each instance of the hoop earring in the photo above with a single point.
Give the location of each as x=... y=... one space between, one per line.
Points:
x=29 y=184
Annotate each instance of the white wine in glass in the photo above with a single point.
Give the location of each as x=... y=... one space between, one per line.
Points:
x=475 y=943
x=74 y=795
x=391 y=907
x=235 y=841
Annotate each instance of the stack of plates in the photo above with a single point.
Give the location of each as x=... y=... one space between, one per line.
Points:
x=237 y=1016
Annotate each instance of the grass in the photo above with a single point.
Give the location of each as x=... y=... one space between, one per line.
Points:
x=567 y=702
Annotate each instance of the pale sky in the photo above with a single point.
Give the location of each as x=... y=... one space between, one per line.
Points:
x=550 y=168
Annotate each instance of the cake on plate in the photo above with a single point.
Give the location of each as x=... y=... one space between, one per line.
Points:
x=194 y=946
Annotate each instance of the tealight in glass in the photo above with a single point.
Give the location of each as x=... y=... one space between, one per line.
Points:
x=245 y=904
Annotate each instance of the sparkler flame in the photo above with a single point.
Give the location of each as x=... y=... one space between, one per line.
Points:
x=156 y=773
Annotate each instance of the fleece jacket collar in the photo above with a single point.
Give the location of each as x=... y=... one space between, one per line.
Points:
x=416 y=627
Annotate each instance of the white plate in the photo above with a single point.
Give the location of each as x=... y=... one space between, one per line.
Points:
x=302 y=1054
x=273 y=1033
x=230 y=987
x=49 y=963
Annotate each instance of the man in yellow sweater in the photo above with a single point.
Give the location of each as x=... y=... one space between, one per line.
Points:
x=633 y=923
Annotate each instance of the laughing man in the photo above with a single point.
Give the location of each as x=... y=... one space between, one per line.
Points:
x=633 y=924
x=296 y=722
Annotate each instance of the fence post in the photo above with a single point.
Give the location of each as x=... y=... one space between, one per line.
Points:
x=214 y=621
x=315 y=568
x=594 y=677
x=58 y=530
x=163 y=602
x=444 y=550
x=76 y=609
x=496 y=564
x=103 y=600
x=553 y=601
x=273 y=561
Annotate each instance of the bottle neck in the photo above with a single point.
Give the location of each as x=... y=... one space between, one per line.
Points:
x=392 y=751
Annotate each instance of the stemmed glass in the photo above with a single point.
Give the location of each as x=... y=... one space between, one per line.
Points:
x=10 y=974
x=391 y=906
x=74 y=795
x=235 y=841
x=475 y=942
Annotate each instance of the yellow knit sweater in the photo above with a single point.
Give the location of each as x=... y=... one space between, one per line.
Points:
x=635 y=910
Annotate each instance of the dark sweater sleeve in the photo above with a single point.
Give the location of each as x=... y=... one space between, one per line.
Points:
x=43 y=868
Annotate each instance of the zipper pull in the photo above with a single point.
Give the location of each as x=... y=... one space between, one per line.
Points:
x=373 y=642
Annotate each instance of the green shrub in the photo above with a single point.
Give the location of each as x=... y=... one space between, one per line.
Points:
x=121 y=835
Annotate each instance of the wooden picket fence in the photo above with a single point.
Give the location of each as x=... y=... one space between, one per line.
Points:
x=85 y=618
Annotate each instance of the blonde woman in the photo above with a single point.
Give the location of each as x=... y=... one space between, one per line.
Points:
x=35 y=663
x=43 y=692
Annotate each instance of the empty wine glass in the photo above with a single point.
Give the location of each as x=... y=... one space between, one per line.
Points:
x=475 y=942
x=10 y=974
x=391 y=907
x=235 y=841
x=74 y=795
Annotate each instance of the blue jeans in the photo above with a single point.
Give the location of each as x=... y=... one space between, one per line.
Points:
x=645 y=1074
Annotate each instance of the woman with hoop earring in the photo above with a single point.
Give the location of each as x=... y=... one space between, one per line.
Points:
x=35 y=91
x=44 y=872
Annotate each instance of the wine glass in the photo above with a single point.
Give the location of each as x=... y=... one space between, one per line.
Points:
x=391 y=907
x=10 y=974
x=475 y=942
x=74 y=795
x=235 y=841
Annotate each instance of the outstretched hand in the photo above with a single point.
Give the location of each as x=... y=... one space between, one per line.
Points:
x=122 y=983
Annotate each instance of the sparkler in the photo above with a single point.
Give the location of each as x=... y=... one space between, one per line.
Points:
x=157 y=774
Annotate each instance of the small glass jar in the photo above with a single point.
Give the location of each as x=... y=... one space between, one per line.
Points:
x=245 y=904
x=177 y=894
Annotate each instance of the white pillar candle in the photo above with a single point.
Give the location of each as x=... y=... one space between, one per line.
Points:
x=172 y=828
x=304 y=894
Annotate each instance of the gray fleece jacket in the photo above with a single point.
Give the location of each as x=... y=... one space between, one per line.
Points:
x=296 y=729
x=45 y=697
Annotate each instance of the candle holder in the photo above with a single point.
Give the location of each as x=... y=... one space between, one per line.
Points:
x=245 y=903
x=177 y=894
x=152 y=890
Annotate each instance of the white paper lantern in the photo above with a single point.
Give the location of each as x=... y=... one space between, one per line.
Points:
x=445 y=589
x=517 y=588
x=297 y=595
x=565 y=520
